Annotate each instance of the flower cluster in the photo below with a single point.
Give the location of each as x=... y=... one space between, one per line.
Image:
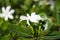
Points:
x=7 y=13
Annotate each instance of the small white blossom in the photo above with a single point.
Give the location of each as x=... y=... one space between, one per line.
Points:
x=7 y=13
x=33 y=18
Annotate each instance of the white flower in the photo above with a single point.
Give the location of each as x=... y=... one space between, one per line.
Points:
x=33 y=18
x=7 y=13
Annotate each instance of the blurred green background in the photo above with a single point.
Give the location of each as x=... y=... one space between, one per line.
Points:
x=13 y=30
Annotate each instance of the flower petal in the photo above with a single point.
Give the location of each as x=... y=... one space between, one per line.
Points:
x=33 y=20
x=28 y=15
x=38 y=17
x=6 y=18
x=33 y=14
x=23 y=17
x=3 y=10
x=8 y=8
x=28 y=23
x=12 y=11
x=10 y=16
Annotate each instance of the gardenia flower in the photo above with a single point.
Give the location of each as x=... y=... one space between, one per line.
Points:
x=7 y=13
x=33 y=18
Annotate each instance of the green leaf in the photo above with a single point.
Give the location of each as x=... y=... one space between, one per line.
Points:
x=56 y=14
x=4 y=38
x=25 y=39
x=55 y=33
x=1 y=21
x=57 y=4
x=21 y=30
x=4 y=26
x=45 y=32
x=7 y=2
x=51 y=37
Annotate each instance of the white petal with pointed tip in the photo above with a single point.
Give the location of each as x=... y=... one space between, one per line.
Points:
x=8 y=8
x=28 y=22
x=3 y=9
x=23 y=17
x=10 y=16
x=6 y=18
x=12 y=11
x=33 y=14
